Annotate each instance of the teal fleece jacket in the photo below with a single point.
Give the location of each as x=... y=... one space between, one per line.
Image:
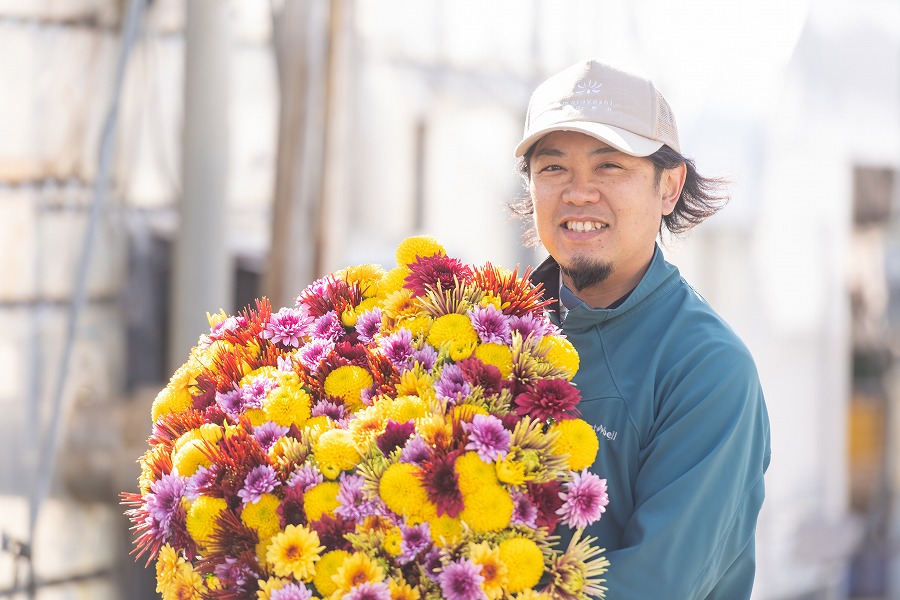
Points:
x=675 y=399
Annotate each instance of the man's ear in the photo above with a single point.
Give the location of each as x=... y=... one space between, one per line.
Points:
x=670 y=186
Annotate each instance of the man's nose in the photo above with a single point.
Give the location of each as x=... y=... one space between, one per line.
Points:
x=581 y=189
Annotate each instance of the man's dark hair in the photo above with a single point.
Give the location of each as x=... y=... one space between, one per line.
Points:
x=701 y=197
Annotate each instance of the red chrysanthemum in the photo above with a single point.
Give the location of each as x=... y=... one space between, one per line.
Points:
x=481 y=374
x=332 y=531
x=433 y=271
x=395 y=435
x=441 y=482
x=547 y=500
x=549 y=399
x=291 y=511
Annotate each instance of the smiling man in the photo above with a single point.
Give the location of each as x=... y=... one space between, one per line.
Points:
x=671 y=390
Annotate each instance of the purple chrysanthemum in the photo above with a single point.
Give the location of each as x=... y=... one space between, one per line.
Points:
x=305 y=477
x=328 y=327
x=369 y=590
x=291 y=591
x=415 y=451
x=197 y=482
x=524 y=511
x=368 y=324
x=414 y=540
x=491 y=324
x=461 y=580
x=528 y=324
x=425 y=357
x=253 y=393
x=231 y=402
x=584 y=500
x=288 y=326
x=318 y=288
x=313 y=352
x=335 y=412
x=260 y=480
x=268 y=433
x=452 y=385
x=164 y=500
x=487 y=437
x=227 y=325
x=432 y=563
x=234 y=572
x=397 y=347
x=353 y=503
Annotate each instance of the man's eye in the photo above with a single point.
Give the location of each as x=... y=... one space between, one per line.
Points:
x=551 y=168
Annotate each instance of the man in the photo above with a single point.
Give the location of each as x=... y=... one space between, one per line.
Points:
x=670 y=389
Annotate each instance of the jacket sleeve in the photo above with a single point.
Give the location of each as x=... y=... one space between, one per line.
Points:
x=700 y=486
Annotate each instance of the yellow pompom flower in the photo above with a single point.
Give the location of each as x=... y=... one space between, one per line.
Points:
x=418 y=324
x=402 y=591
x=326 y=569
x=321 y=499
x=493 y=569
x=418 y=246
x=201 y=517
x=294 y=552
x=335 y=452
x=356 y=570
x=498 y=355
x=267 y=371
x=578 y=440
x=190 y=456
x=524 y=562
x=171 y=400
x=367 y=276
x=392 y=541
x=401 y=489
x=287 y=405
x=445 y=530
x=457 y=332
x=487 y=509
x=392 y=282
x=347 y=382
x=262 y=516
x=474 y=473
x=560 y=352
x=403 y=408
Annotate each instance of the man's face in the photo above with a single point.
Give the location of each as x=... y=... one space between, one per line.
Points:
x=597 y=210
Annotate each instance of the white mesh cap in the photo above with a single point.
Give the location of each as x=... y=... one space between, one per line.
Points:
x=619 y=108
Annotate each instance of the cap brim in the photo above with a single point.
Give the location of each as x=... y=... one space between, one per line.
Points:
x=620 y=139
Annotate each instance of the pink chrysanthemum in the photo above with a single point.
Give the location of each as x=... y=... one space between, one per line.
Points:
x=314 y=352
x=549 y=399
x=491 y=324
x=328 y=327
x=291 y=591
x=584 y=500
x=253 y=393
x=415 y=451
x=461 y=581
x=415 y=540
x=369 y=590
x=524 y=511
x=397 y=347
x=268 y=433
x=368 y=324
x=305 y=477
x=452 y=385
x=428 y=273
x=163 y=502
x=288 y=326
x=228 y=325
x=355 y=504
x=487 y=437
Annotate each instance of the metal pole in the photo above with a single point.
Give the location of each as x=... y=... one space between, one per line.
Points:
x=202 y=265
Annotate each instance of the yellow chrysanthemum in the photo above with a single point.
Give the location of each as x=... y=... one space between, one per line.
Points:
x=256 y=416
x=491 y=300
x=392 y=541
x=511 y=471
x=399 y=304
x=294 y=552
x=402 y=591
x=349 y=317
x=335 y=451
x=414 y=382
x=392 y=282
x=356 y=570
x=187 y=584
x=171 y=401
x=474 y=473
x=369 y=422
x=561 y=353
x=321 y=423
x=189 y=457
x=493 y=569
x=202 y=515
x=326 y=569
x=524 y=562
x=210 y=432
x=457 y=332
x=268 y=586
x=321 y=499
x=347 y=382
x=267 y=371
x=287 y=405
x=418 y=324
x=434 y=428
x=578 y=440
x=367 y=276
x=262 y=516
x=401 y=489
x=467 y=412
x=498 y=355
x=445 y=530
x=404 y=407
x=487 y=509
x=418 y=246
x=167 y=567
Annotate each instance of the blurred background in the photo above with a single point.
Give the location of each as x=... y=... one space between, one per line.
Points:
x=164 y=158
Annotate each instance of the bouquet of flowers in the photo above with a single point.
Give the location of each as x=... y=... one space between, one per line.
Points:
x=405 y=434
